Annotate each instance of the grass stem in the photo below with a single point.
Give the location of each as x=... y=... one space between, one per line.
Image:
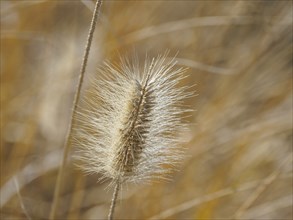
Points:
x=114 y=199
x=75 y=102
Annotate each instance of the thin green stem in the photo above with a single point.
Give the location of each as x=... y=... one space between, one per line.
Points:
x=75 y=102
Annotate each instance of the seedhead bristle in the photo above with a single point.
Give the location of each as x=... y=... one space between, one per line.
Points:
x=131 y=119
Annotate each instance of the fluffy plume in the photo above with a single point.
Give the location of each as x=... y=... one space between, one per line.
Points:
x=128 y=127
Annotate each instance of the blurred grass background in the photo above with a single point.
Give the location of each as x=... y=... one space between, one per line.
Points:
x=239 y=53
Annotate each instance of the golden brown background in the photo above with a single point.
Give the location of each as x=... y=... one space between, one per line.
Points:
x=239 y=157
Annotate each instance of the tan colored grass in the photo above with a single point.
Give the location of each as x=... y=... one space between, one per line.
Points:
x=242 y=127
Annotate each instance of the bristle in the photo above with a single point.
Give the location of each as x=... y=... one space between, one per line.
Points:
x=132 y=118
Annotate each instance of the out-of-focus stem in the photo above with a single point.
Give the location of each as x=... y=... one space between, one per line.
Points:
x=75 y=102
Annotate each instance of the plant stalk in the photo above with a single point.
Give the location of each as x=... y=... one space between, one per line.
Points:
x=75 y=102
x=114 y=199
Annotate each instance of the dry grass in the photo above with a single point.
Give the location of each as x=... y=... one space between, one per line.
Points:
x=239 y=162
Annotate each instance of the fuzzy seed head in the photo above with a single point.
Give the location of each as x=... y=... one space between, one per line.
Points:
x=129 y=123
